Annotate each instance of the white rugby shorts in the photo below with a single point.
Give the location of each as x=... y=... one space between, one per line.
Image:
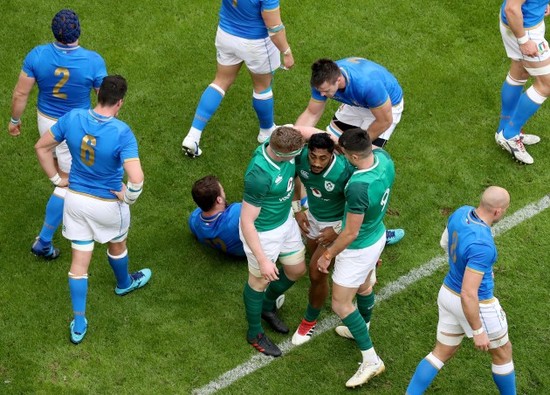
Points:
x=315 y=226
x=281 y=240
x=362 y=117
x=62 y=153
x=89 y=218
x=453 y=321
x=512 y=47
x=352 y=267
x=261 y=56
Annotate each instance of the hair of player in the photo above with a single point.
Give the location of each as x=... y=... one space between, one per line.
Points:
x=205 y=192
x=286 y=139
x=321 y=141
x=66 y=26
x=356 y=141
x=112 y=89
x=324 y=70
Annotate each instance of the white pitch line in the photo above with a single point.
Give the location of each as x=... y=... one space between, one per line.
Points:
x=259 y=360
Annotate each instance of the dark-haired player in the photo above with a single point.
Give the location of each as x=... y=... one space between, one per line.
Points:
x=65 y=73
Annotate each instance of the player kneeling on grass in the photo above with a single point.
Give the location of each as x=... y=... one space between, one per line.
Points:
x=361 y=242
x=269 y=232
x=466 y=299
x=97 y=202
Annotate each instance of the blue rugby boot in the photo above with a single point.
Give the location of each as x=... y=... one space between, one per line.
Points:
x=139 y=279
x=394 y=236
x=44 y=250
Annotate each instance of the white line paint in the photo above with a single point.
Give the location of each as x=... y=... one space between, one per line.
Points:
x=258 y=361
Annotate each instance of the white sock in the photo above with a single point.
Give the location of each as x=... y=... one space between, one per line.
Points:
x=370 y=356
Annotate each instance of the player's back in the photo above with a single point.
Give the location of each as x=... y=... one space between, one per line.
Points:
x=65 y=76
x=367 y=80
x=243 y=18
x=373 y=184
x=471 y=245
x=220 y=231
x=99 y=146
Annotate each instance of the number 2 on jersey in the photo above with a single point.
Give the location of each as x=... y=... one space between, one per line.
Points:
x=454 y=243
x=87 y=150
x=64 y=72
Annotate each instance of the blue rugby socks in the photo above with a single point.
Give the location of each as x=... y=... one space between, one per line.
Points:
x=424 y=374
x=78 y=287
x=210 y=101
x=119 y=264
x=528 y=104
x=263 y=104
x=53 y=218
x=509 y=95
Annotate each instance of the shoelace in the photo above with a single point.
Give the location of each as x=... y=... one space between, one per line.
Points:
x=390 y=234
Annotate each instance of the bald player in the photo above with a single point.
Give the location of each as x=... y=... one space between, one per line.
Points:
x=466 y=302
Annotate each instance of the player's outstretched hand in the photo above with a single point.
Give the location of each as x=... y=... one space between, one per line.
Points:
x=481 y=341
x=14 y=130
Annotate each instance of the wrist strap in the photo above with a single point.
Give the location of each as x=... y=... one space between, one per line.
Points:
x=296 y=206
x=523 y=40
x=478 y=331
x=14 y=121
x=56 y=179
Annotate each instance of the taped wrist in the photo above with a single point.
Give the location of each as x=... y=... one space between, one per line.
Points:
x=133 y=190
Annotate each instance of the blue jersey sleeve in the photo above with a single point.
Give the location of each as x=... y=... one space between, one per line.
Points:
x=30 y=61
x=480 y=258
x=269 y=5
x=100 y=70
x=128 y=145
x=315 y=95
x=375 y=94
x=59 y=129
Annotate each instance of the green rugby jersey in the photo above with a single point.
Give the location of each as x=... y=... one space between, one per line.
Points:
x=270 y=186
x=325 y=191
x=368 y=192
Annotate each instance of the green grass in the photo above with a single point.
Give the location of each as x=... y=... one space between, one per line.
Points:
x=187 y=326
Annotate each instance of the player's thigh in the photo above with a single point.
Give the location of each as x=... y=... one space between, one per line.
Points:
x=450 y=331
x=292 y=254
x=493 y=320
x=352 y=267
x=271 y=243
x=260 y=56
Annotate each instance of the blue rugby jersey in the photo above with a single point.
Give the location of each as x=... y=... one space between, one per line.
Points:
x=471 y=247
x=99 y=146
x=243 y=18
x=220 y=231
x=368 y=84
x=65 y=76
x=532 y=10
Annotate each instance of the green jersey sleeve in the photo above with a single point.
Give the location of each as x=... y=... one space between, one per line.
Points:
x=357 y=197
x=256 y=186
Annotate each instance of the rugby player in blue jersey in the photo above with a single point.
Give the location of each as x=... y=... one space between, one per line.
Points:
x=371 y=98
x=65 y=74
x=522 y=28
x=215 y=223
x=466 y=302
x=249 y=31
x=97 y=202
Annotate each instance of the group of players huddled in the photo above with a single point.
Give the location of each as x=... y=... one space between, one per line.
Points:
x=345 y=174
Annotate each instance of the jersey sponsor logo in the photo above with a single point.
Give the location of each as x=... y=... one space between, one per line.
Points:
x=278 y=179
x=317 y=193
x=304 y=174
x=329 y=186
x=286 y=197
x=290 y=184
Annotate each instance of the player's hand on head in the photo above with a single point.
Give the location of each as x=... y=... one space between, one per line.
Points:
x=14 y=130
x=120 y=194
